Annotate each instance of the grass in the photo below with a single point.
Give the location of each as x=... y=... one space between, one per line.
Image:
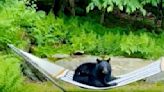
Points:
x=134 y=87
x=39 y=87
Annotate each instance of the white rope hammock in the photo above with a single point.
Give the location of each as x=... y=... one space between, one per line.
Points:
x=54 y=71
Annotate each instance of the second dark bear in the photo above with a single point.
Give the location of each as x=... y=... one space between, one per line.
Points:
x=94 y=74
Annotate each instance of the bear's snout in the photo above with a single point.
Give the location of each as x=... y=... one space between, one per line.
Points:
x=105 y=71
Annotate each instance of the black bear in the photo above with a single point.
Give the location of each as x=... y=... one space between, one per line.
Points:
x=94 y=74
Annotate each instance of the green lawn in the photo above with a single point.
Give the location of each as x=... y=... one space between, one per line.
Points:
x=135 y=87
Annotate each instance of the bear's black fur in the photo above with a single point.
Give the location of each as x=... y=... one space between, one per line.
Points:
x=94 y=74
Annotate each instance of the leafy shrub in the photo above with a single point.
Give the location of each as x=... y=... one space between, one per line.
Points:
x=132 y=44
x=10 y=77
x=59 y=36
x=13 y=16
x=84 y=41
x=142 y=45
x=109 y=44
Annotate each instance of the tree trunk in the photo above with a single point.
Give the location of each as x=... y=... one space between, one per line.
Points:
x=102 y=16
x=72 y=6
x=162 y=15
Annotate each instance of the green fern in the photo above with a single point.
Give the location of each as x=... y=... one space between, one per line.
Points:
x=10 y=77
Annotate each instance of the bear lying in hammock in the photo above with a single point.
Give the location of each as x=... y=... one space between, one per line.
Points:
x=95 y=74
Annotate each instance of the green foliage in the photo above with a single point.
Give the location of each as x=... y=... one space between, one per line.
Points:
x=129 y=5
x=13 y=17
x=109 y=44
x=49 y=35
x=84 y=41
x=10 y=77
x=76 y=34
x=136 y=44
x=47 y=30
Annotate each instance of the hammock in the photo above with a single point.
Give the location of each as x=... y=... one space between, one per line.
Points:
x=54 y=71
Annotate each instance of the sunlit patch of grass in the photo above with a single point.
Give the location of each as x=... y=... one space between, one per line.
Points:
x=140 y=87
x=40 y=87
x=134 y=87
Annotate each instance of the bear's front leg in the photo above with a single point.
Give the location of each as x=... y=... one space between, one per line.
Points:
x=81 y=79
x=95 y=82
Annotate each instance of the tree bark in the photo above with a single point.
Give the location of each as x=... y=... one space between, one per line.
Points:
x=162 y=15
x=72 y=6
x=102 y=16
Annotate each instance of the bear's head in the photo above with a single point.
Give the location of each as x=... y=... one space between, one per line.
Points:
x=103 y=70
x=103 y=66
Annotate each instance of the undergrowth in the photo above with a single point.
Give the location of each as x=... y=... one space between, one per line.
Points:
x=45 y=35
x=10 y=77
x=61 y=36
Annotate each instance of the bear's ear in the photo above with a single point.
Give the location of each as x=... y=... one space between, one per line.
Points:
x=108 y=60
x=98 y=60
